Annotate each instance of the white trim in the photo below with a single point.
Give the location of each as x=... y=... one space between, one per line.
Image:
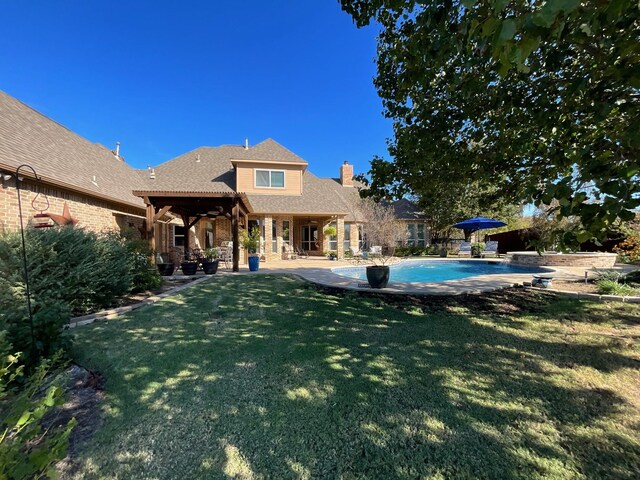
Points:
x=180 y=236
x=270 y=170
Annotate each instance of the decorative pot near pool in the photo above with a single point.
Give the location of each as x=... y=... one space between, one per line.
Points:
x=189 y=268
x=378 y=276
x=166 y=269
x=254 y=263
x=210 y=267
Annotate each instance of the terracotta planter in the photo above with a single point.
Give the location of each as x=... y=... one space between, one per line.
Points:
x=210 y=267
x=378 y=276
x=189 y=268
x=166 y=269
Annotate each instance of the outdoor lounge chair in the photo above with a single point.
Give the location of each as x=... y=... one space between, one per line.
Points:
x=375 y=250
x=289 y=253
x=356 y=254
x=227 y=254
x=491 y=249
x=300 y=253
x=465 y=249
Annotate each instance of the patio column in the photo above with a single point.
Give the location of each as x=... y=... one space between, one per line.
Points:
x=150 y=227
x=235 y=232
x=268 y=237
x=340 y=235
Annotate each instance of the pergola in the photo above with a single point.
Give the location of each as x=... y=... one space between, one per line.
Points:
x=194 y=206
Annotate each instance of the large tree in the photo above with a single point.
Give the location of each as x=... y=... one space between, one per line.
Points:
x=537 y=101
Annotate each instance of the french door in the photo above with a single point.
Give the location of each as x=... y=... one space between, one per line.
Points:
x=309 y=237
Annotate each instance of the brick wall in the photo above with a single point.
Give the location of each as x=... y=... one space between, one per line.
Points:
x=92 y=213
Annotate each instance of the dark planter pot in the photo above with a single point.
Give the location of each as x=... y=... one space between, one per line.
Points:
x=166 y=269
x=189 y=268
x=254 y=263
x=378 y=276
x=210 y=267
x=443 y=252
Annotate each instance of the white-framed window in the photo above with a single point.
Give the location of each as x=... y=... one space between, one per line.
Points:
x=347 y=237
x=269 y=178
x=333 y=240
x=178 y=235
x=415 y=234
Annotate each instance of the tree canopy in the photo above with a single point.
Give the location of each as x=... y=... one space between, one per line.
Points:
x=531 y=101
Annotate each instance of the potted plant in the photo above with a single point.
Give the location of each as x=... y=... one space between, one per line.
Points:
x=251 y=242
x=381 y=229
x=164 y=268
x=190 y=264
x=331 y=255
x=477 y=249
x=330 y=230
x=210 y=261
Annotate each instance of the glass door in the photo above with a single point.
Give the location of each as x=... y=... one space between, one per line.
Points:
x=309 y=237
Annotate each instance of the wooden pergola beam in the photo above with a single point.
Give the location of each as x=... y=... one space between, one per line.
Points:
x=161 y=212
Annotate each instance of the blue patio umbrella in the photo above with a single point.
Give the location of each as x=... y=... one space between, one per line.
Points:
x=479 y=223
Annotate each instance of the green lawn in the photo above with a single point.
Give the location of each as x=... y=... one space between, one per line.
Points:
x=268 y=377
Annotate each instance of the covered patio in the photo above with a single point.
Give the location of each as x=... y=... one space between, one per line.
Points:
x=192 y=207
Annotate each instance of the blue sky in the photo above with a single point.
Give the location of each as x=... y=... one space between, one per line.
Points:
x=166 y=77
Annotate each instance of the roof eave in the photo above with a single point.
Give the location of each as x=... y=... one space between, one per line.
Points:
x=68 y=186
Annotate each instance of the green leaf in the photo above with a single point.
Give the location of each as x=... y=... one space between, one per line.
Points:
x=583 y=236
x=23 y=419
x=489 y=26
x=508 y=30
x=527 y=46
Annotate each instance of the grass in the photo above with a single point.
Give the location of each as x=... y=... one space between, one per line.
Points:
x=268 y=377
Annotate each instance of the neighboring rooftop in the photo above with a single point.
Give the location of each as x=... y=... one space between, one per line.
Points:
x=60 y=156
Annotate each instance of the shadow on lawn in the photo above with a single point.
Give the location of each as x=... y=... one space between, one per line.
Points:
x=269 y=377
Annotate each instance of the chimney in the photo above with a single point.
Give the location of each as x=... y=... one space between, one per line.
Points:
x=346 y=174
x=246 y=143
x=152 y=172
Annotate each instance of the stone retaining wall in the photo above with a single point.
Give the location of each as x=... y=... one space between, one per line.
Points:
x=589 y=260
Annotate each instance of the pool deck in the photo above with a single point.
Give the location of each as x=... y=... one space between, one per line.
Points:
x=318 y=270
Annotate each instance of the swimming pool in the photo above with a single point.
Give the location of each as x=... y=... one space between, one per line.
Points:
x=424 y=271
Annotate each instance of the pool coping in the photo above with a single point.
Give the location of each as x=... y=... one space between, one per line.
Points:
x=470 y=285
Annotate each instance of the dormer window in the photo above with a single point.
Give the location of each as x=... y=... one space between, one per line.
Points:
x=269 y=178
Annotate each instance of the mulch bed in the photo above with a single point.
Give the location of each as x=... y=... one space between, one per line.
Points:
x=83 y=394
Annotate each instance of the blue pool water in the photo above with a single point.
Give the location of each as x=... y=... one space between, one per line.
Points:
x=413 y=271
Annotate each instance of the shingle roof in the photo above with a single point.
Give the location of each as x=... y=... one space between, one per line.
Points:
x=319 y=195
x=209 y=169
x=407 y=210
x=61 y=156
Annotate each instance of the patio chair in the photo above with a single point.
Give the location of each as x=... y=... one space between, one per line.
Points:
x=356 y=254
x=491 y=249
x=227 y=254
x=465 y=249
x=375 y=251
x=300 y=253
x=289 y=253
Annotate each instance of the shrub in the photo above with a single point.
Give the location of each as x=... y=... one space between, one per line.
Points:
x=612 y=275
x=144 y=274
x=610 y=287
x=26 y=451
x=632 y=277
x=629 y=249
x=71 y=271
x=412 y=251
